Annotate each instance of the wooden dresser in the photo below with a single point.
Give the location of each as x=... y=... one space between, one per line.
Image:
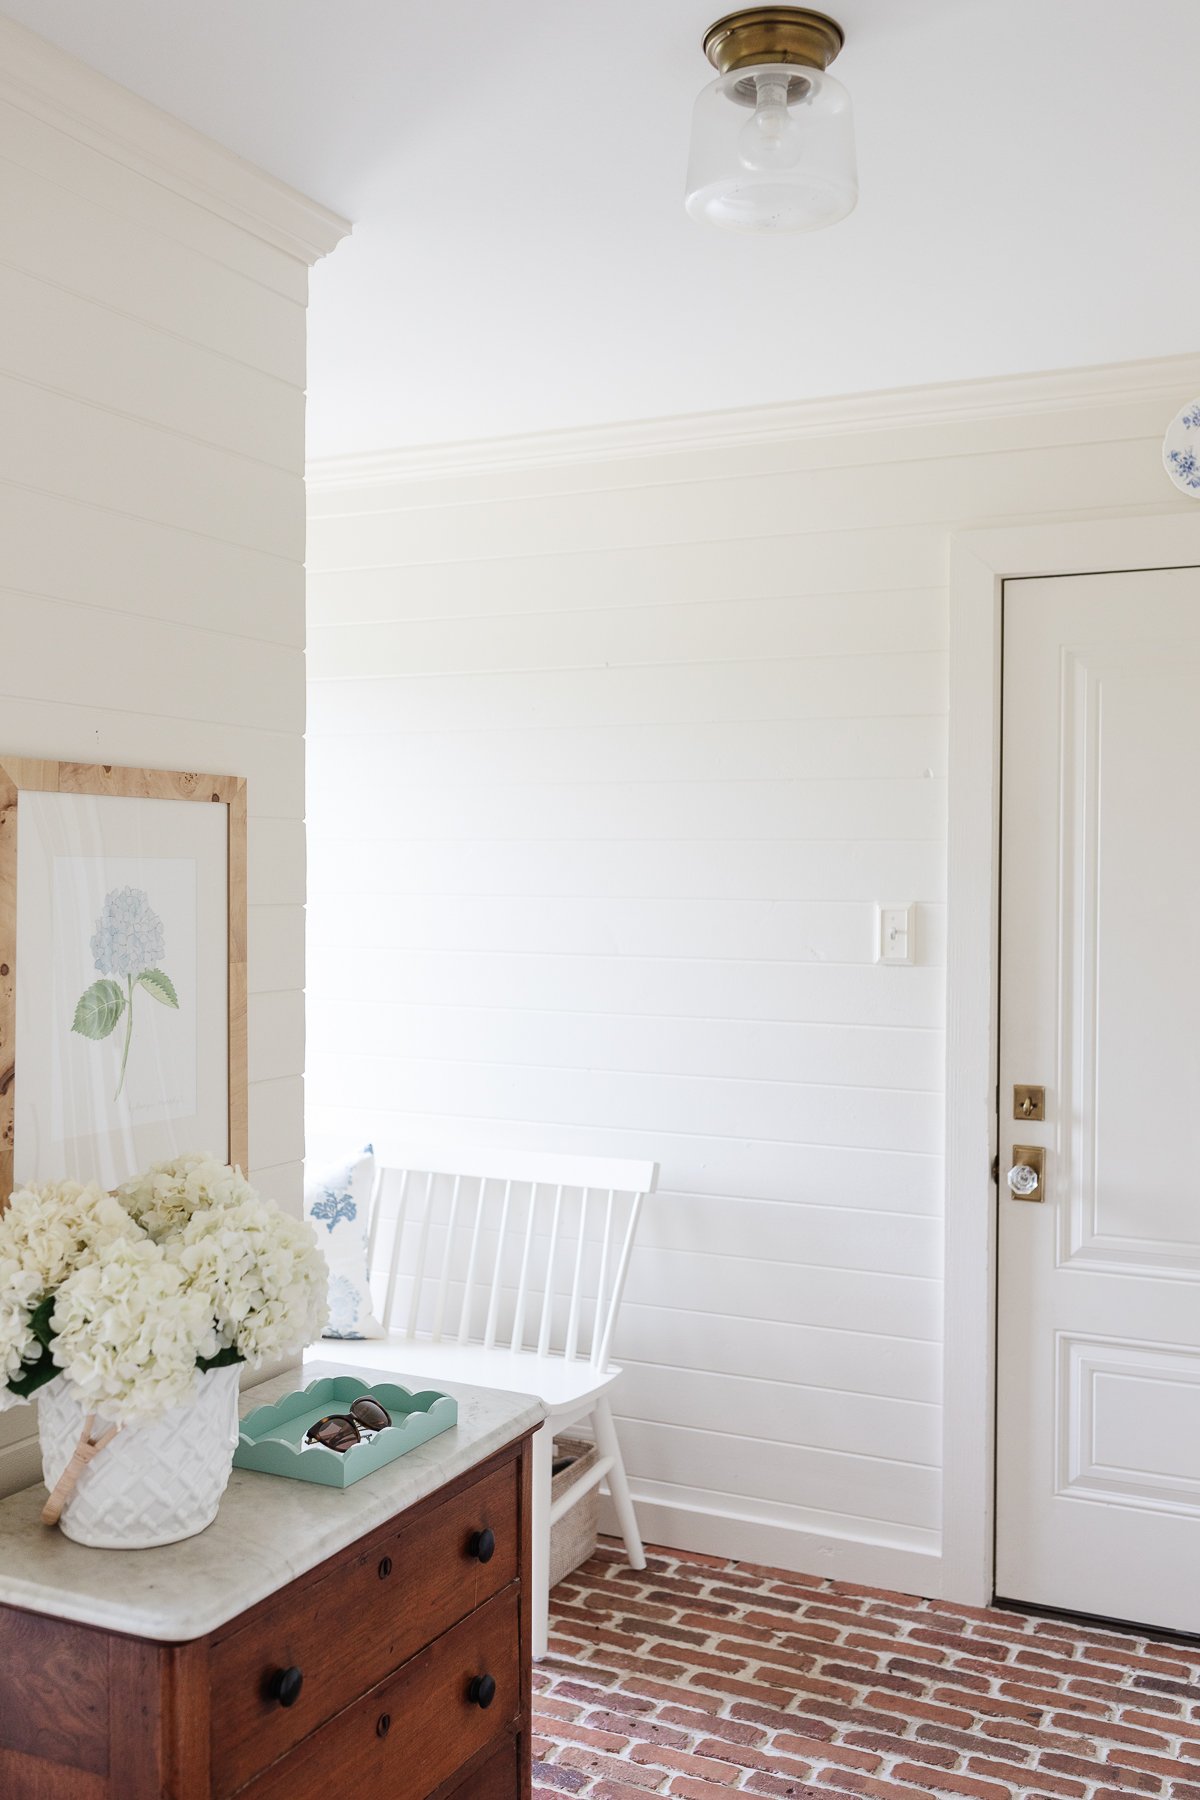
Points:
x=395 y=1667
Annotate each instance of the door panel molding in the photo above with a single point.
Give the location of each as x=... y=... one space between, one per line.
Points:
x=1094 y=681
x=980 y=562
x=1091 y=1374
x=1078 y=944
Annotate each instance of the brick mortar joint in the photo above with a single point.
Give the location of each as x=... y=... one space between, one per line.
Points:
x=752 y=1665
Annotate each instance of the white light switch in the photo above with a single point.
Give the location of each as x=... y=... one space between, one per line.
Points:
x=896 y=934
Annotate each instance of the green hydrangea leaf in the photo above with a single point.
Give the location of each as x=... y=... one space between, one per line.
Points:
x=99 y=1009
x=34 y=1375
x=224 y=1359
x=160 y=985
x=39 y=1320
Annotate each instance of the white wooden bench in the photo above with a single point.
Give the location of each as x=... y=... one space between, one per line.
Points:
x=506 y=1269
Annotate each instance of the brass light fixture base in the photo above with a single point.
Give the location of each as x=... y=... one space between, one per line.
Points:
x=773 y=34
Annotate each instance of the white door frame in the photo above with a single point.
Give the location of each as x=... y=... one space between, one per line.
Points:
x=980 y=562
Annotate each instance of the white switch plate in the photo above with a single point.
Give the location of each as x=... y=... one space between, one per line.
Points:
x=895 y=934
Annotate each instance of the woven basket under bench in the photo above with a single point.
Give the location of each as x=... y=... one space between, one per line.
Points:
x=573 y=1537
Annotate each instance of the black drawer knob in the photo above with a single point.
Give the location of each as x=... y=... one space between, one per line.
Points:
x=383 y=1725
x=285 y=1686
x=482 y=1691
x=482 y=1545
x=385 y=1568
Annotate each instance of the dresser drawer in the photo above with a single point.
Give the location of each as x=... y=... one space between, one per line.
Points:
x=358 y=1623
x=410 y=1734
x=498 y=1779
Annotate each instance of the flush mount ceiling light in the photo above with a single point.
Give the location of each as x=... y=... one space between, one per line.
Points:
x=773 y=135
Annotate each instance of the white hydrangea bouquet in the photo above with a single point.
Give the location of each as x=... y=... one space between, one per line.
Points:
x=133 y=1299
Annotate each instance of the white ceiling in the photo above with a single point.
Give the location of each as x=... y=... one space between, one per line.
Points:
x=521 y=259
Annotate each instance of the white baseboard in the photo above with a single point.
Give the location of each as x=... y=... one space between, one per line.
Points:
x=679 y=1520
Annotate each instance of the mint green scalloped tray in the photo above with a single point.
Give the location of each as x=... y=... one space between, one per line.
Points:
x=272 y=1437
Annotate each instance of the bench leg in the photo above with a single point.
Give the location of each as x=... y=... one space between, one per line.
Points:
x=618 y=1486
x=543 y=1444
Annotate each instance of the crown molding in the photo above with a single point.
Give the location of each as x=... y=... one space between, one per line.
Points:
x=1169 y=379
x=42 y=80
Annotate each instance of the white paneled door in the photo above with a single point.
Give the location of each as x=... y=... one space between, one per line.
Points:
x=1098 y=1366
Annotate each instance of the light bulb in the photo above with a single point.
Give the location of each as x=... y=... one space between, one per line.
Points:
x=772 y=150
x=771 y=139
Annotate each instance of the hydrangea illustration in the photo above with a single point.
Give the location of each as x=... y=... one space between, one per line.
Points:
x=129 y=934
x=128 y=941
x=332 y=1208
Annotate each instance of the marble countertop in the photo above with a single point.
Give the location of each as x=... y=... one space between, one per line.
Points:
x=267 y=1532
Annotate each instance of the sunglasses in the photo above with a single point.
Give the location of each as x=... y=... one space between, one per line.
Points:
x=341 y=1431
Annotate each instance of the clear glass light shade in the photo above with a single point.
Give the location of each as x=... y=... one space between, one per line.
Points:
x=772 y=150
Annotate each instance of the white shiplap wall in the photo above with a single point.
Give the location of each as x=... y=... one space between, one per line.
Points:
x=614 y=745
x=152 y=369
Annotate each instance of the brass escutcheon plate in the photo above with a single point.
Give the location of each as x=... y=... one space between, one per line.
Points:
x=1034 y=1156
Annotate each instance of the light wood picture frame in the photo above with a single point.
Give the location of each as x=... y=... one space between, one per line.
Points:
x=151 y=876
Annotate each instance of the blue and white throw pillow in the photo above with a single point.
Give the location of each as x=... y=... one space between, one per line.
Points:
x=336 y=1202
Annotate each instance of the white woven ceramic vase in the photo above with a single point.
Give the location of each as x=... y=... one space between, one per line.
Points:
x=153 y=1484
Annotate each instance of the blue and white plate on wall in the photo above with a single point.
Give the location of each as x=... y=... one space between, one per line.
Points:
x=1181 y=450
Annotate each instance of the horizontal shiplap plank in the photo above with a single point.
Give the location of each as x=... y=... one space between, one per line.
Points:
x=678 y=987
x=67 y=550
x=723 y=631
x=57 y=444
x=276 y=1121
x=835 y=1237
x=16 y=1424
x=275 y=862
x=845 y=810
x=117 y=260
x=837 y=1359
x=176 y=671
x=738 y=1049
x=275 y=959
x=938 y=491
x=768 y=1112
x=771 y=930
x=824 y=1174
x=68 y=161
x=474 y=585
x=21 y=1460
x=61 y=341
x=830 y=687
x=284 y=1184
x=276 y=1034
x=850 y=749
x=275 y=938
x=544 y=869
x=781 y=1410
x=824 y=1479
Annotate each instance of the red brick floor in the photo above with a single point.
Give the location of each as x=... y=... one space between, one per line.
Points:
x=699 y=1678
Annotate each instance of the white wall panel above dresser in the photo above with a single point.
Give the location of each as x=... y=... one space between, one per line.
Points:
x=152 y=375
x=615 y=743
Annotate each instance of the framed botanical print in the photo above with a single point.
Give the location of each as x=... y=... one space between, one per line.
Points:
x=122 y=969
